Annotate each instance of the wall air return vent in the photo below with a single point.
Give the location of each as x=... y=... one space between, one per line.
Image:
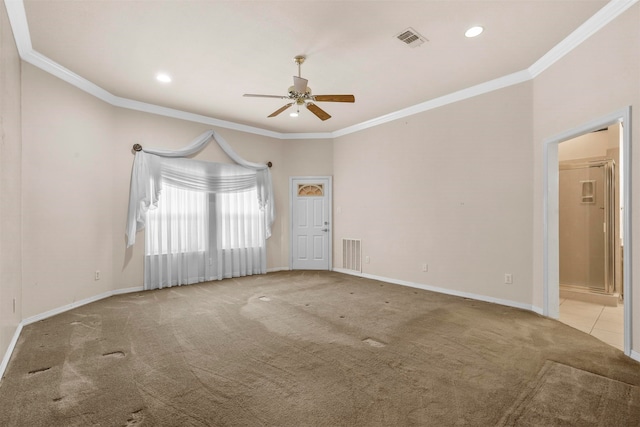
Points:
x=352 y=254
x=411 y=37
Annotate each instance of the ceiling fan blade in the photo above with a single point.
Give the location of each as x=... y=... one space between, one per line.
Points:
x=335 y=98
x=300 y=84
x=322 y=115
x=280 y=110
x=265 y=96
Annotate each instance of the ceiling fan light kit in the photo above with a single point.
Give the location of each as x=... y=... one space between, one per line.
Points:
x=300 y=93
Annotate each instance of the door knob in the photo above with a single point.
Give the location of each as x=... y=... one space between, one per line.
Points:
x=325 y=229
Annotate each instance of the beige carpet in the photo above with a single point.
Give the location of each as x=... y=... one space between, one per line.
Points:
x=311 y=349
x=576 y=397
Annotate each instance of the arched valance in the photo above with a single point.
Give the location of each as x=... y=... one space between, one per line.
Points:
x=153 y=168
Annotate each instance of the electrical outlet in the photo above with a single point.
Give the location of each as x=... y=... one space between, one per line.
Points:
x=97 y=277
x=508 y=278
x=425 y=267
x=367 y=260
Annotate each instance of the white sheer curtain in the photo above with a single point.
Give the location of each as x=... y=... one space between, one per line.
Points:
x=176 y=247
x=203 y=220
x=239 y=235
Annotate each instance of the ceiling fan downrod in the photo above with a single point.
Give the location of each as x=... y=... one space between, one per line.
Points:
x=299 y=59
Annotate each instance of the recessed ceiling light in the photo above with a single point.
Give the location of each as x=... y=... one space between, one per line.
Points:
x=164 y=78
x=474 y=32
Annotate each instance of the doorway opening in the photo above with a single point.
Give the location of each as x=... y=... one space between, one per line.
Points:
x=609 y=274
x=590 y=239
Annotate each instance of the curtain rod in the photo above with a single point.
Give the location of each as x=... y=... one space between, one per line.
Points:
x=138 y=147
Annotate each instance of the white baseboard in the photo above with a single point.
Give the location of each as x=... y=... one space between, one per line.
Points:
x=128 y=290
x=47 y=314
x=634 y=354
x=50 y=313
x=12 y=345
x=537 y=310
x=446 y=291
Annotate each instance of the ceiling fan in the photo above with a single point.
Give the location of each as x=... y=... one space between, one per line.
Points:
x=300 y=94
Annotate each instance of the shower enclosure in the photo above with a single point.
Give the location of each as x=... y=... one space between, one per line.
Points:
x=588 y=238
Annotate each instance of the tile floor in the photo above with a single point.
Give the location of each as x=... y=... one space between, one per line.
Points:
x=602 y=322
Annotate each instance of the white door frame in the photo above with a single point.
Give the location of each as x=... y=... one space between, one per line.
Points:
x=329 y=194
x=550 y=245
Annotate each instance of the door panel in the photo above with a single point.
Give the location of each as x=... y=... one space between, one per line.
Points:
x=318 y=247
x=310 y=228
x=302 y=245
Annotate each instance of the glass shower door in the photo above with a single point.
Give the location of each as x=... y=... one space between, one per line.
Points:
x=586 y=226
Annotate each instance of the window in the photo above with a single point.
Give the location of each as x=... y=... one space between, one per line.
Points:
x=240 y=222
x=193 y=221
x=310 y=190
x=179 y=224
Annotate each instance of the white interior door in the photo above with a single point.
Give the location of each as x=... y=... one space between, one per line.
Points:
x=310 y=223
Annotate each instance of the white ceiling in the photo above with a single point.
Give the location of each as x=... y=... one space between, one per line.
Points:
x=218 y=50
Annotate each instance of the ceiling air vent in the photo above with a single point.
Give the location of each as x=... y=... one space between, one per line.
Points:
x=411 y=37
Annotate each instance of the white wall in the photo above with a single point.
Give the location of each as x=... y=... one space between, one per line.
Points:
x=597 y=78
x=449 y=187
x=10 y=185
x=67 y=193
x=77 y=170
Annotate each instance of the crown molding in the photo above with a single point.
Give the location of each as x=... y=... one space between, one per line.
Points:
x=608 y=13
x=50 y=66
x=20 y=28
x=191 y=117
x=470 y=92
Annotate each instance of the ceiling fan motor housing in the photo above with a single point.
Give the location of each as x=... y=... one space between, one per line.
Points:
x=294 y=94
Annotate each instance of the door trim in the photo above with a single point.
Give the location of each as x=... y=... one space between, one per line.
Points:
x=550 y=244
x=329 y=194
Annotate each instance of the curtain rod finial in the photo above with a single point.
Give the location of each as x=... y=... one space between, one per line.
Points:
x=137 y=147
x=269 y=164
